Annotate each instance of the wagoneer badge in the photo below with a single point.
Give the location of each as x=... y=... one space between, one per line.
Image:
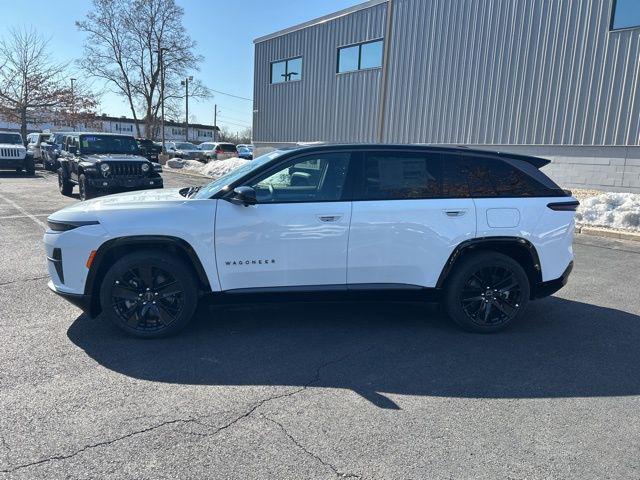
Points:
x=249 y=262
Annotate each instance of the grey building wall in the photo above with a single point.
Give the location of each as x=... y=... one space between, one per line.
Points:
x=323 y=105
x=543 y=77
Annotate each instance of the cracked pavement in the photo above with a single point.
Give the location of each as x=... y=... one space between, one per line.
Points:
x=370 y=390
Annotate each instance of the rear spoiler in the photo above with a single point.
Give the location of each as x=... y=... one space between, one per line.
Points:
x=535 y=161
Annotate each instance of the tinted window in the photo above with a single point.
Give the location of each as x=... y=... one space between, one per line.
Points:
x=488 y=177
x=227 y=147
x=625 y=14
x=10 y=138
x=313 y=178
x=401 y=175
x=107 y=144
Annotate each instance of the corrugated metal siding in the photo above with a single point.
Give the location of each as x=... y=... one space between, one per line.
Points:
x=528 y=72
x=492 y=72
x=323 y=105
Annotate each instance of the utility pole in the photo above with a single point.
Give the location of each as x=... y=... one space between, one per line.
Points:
x=73 y=105
x=185 y=82
x=161 y=67
x=215 y=122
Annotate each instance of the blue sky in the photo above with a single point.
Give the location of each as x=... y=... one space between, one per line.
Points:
x=224 y=30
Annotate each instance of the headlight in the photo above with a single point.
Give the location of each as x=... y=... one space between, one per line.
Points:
x=104 y=167
x=145 y=167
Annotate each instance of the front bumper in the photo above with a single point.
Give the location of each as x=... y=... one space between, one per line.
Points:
x=130 y=183
x=12 y=162
x=546 y=289
x=83 y=302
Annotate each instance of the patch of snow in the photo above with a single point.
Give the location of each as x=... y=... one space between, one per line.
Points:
x=213 y=169
x=613 y=210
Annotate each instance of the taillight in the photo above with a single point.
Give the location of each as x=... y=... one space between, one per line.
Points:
x=564 y=206
x=218 y=150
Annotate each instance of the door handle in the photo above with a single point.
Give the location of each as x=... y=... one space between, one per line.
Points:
x=454 y=213
x=329 y=218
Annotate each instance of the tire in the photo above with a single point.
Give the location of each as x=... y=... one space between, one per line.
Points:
x=29 y=166
x=486 y=292
x=64 y=185
x=85 y=190
x=132 y=286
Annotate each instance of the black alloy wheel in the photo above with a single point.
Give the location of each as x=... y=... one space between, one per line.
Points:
x=65 y=187
x=491 y=296
x=149 y=294
x=486 y=292
x=147 y=298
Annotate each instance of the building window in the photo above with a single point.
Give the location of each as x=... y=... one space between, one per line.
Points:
x=625 y=14
x=286 y=70
x=362 y=56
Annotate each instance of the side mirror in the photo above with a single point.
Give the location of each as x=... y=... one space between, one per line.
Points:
x=243 y=196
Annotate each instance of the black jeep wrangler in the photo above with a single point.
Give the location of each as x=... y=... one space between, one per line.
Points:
x=101 y=163
x=149 y=149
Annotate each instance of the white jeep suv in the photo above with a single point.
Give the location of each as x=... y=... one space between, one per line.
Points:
x=483 y=232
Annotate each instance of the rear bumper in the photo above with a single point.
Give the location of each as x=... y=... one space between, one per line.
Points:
x=546 y=289
x=83 y=302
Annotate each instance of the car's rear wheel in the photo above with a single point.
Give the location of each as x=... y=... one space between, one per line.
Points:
x=149 y=294
x=64 y=185
x=486 y=292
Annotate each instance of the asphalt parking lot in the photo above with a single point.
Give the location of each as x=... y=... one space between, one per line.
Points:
x=315 y=390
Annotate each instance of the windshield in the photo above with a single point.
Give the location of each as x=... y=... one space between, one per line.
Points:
x=185 y=146
x=214 y=187
x=108 y=144
x=10 y=138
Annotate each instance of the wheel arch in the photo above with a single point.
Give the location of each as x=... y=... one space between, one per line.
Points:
x=518 y=248
x=110 y=250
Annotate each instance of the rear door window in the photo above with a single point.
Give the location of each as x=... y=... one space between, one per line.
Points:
x=398 y=175
x=482 y=177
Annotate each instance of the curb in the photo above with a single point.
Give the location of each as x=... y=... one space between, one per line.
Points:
x=608 y=233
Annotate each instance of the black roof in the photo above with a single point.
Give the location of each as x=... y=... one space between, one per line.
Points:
x=535 y=161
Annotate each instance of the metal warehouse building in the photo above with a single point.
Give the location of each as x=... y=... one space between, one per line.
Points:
x=554 y=78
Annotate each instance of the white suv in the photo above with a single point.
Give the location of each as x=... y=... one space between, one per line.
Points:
x=483 y=232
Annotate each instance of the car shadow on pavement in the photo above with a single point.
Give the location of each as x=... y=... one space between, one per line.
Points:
x=14 y=174
x=562 y=348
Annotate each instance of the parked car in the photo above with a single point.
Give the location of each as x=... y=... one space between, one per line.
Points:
x=51 y=151
x=14 y=155
x=149 y=148
x=102 y=163
x=244 y=152
x=185 y=150
x=218 y=150
x=482 y=232
x=35 y=143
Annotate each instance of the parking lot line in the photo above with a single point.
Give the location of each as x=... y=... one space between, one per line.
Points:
x=24 y=212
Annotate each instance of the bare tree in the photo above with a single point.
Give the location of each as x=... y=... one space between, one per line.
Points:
x=32 y=87
x=124 y=51
x=234 y=136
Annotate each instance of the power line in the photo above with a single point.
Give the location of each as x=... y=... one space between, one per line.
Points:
x=221 y=115
x=232 y=95
x=234 y=124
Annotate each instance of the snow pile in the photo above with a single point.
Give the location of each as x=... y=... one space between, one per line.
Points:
x=213 y=169
x=613 y=210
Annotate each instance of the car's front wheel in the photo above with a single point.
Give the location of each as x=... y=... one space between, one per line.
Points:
x=149 y=294
x=486 y=292
x=85 y=190
x=64 y=185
